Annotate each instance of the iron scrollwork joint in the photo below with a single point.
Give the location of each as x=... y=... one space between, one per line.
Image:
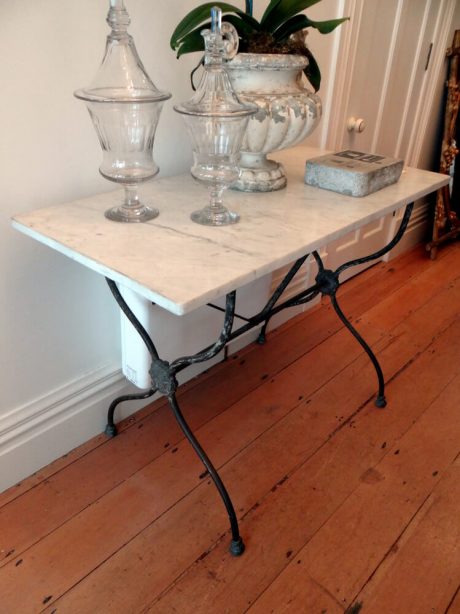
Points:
x=163 y=378
x=327 y=281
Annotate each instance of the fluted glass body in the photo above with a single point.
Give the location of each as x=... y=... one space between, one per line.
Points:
x=216 y=143
x=126 y=132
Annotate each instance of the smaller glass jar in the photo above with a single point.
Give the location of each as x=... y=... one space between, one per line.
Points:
x=216 y=121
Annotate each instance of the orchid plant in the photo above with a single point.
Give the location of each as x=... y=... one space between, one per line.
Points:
x=281 y=29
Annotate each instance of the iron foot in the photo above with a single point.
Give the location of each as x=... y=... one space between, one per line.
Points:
x=237 y=547
x=262 y=338
x=380 y=401
x=111 y=430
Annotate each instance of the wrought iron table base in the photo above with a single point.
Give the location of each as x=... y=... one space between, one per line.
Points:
x=164 y=373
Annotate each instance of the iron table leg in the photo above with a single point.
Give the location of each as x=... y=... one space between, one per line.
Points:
x=328 y=283
x=380 y=400
x=111 y=429
x=236 y=545
x=163 y=373
x=164 y=380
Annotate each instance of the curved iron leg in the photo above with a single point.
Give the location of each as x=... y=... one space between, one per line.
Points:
x=381 y=252
x=328 y=283
x=380 y=401
x=262 y=338
x=236 y=545
x=111 y=429
x=213 y=350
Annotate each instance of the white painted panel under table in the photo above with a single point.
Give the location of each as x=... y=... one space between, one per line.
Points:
x=181 y=265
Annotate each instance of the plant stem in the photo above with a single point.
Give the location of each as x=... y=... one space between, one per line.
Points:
x=249 y=7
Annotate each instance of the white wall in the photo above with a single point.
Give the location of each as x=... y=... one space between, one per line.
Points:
x=59 y=350
x=58 y=324
x=325 y=47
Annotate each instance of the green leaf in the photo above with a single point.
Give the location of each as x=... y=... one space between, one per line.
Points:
x=299 y=22
x=291 y=26
x=193 y=41
x=325 y=27
x=278 y=12
x=199 y=15
x=312 y=71
x=270 y=8
x=243 y=27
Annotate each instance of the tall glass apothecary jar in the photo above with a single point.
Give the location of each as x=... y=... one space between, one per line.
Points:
x=125 y=107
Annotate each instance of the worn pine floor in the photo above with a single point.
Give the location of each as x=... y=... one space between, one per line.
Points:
x=342 y=506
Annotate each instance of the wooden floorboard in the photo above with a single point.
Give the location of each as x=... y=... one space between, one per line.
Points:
x=296 y=512
x=454 y=605
x=338 y=501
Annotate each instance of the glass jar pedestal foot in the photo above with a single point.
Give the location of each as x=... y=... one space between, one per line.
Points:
x=131 y=210
x=215 y=214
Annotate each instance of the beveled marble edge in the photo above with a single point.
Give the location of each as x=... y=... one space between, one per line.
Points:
x=230 y=257
x=99 y=267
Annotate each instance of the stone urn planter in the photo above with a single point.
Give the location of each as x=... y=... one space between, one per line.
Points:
x=288 y=112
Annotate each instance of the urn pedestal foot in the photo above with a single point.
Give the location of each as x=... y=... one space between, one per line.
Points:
x=259 y=174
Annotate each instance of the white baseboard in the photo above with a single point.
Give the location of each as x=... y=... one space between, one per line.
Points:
x=35 y=434
x=417 y=230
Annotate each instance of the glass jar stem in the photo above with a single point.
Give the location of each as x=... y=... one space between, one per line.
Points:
x=215 y=198
x=131 y=198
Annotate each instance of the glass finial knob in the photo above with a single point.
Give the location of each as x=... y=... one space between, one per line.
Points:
x=221 y=41
x=118 y=17
x=216 y=19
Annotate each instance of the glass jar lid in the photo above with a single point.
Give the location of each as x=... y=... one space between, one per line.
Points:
x=215 y=95
x=121 y=76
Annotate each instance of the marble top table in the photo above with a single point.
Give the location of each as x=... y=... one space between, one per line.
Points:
x=181 y=265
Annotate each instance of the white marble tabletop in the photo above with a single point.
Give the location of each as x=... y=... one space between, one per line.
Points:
x=181 y=265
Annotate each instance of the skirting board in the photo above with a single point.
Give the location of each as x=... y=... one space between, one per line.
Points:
x=417 y=231
x=35 y=434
